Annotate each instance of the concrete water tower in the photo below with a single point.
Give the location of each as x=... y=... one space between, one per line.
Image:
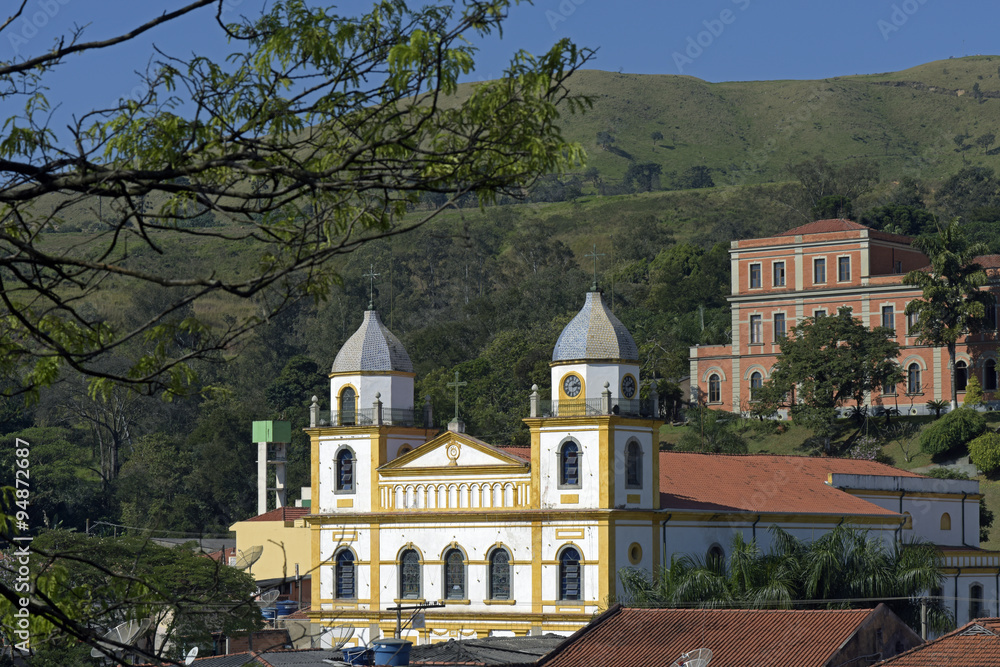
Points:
x=272 y=440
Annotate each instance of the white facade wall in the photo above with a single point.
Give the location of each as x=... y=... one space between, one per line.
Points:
x=326 y=494
x=587 y=438
x=396 y=390
x=649 y=486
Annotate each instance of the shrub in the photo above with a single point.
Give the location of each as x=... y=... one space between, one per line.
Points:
x=973 y=393
x=984 y=452
x=952 y=431
x=946 y=473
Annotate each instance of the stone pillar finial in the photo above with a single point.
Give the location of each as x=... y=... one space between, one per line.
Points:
x=314 y=413
x=535 y=403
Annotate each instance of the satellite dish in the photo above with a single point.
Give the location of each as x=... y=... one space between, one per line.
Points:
x=268 y=597
x=191 y=655
x=700 y=657
x=249 y=557
x=339 y=635
x=123 y=633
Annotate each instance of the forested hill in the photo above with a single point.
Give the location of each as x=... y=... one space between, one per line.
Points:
x=746 y=132
x=485 y=292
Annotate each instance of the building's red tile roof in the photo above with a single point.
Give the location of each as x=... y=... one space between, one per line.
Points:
x=989 y=261
x=976 y=644
x=282 y=514
x=760 y=637
x=764 y=483
x=824 y=227
x=843 y=225
x=519 y=452
x=222 y=555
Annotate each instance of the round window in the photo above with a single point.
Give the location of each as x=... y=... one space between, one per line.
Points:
x=634 y=553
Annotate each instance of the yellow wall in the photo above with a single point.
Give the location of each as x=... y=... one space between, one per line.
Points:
x=285 y=544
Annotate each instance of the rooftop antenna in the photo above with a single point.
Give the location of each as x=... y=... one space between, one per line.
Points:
x=191 y=655
x=700 y=657
x=248 y=558
x=595 y=255
x=122 y=634
x=371 y=292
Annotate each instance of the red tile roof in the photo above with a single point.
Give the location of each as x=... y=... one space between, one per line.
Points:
x=222 y=555
x=759 y=637
x=519 y=452
x=282 y=514
x=765 y=483
x=824 y=227
x=989 y=261
x=976 y=644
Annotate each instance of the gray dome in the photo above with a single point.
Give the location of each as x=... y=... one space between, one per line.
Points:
x=595 y=333
x=372 y=348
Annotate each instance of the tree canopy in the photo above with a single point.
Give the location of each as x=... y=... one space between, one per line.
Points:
x=845 y=568
x=953 y=302
x=828 y=361
x=313 y=138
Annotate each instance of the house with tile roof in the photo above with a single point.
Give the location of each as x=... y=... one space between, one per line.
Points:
x=975 y=644
x=813 y=270
x=626 y=637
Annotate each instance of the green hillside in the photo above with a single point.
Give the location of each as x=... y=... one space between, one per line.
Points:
x=747 y=132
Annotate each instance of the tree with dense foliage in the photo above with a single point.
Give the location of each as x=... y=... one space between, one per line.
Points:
x=952 y=431
x=313 y=138
x=656 y=136
x=828 y=361
x=92 y=582
x=953 y=303
x=845 y=568
x=643 y=177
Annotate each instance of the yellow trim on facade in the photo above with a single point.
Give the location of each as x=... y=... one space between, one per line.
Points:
x=536 y=456
x=569 y=498
x=570 y=533
x=536 y=566
x=345 y=502
x=500 y=602
x=633 y=498
x=451 y=471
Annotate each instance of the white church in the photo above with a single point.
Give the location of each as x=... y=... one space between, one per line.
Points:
x=515 y=541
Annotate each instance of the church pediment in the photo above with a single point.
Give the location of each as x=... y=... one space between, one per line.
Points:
x=455 y=452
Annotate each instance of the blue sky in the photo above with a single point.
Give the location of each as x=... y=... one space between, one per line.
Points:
x=716 y=40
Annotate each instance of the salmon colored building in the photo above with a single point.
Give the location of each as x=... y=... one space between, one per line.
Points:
x=814 y=270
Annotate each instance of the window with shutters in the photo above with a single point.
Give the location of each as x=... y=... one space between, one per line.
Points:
x=633 y=465
x=569 y=465
x=345 y=470
x=570 y=581
x=345 y=575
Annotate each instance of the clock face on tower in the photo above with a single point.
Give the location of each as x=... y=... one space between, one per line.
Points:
x=571 y=386
x=628 y=386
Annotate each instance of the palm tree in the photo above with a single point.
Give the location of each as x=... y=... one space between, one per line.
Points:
x=843 y=568
x=952 y=303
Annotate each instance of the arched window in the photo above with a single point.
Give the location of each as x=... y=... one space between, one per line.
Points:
x=714 y=389
x=633 y=465
x=945 y=521
x=499 y=575
x=570 y=581
x=756 y=383
x=409 y=575
x=913 y=378
x=348 y=407
x=990 y=375
x=569 y=464
x=345 y=575
x=454 y=575
x=345 y=470
x=975 y=601
x=961 y=375
x=715 y=557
